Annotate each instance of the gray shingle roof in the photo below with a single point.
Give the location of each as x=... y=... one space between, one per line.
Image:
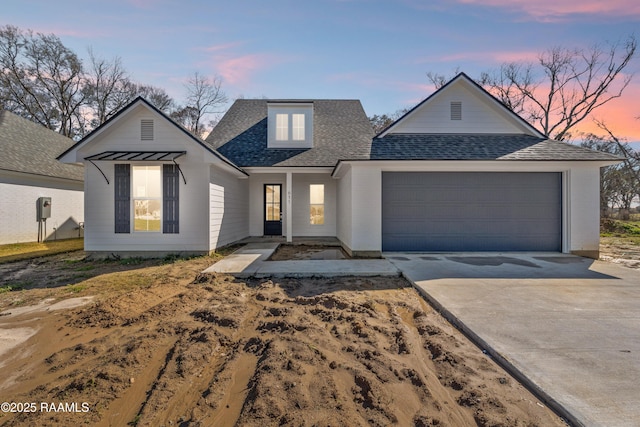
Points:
x=31 y=148
x=341 y=130
x=479 y=147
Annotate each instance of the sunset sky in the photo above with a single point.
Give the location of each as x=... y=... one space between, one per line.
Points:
x=375 y=51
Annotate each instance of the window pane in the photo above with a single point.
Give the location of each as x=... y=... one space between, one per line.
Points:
x=273 y=212
x=147 y=181
x=282 y=127
x=317 y=214
x=316 y=194
x=297 y=127
x=147 y=215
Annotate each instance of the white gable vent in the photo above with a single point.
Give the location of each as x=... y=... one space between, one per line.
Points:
x=146 y=129
x=456 y=110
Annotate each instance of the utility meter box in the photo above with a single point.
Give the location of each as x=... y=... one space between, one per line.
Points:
x=44 y=208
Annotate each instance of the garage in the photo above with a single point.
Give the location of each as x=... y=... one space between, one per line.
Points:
x=471 y=211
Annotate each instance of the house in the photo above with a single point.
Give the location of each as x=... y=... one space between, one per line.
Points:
x=459 y=172
x=29 y=173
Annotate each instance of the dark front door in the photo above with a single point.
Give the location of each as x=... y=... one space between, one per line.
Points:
x=273 y=210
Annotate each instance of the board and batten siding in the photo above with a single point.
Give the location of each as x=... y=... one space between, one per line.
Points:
x=228 y=208
x=477 y=116
x=18 y=218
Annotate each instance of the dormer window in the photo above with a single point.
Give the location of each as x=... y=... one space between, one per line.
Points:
x=290 y=125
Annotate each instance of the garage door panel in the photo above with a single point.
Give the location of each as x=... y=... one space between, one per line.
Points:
x=472 y=211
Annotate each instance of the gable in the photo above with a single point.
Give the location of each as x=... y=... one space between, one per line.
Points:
x=141 y=127
x=461 y=107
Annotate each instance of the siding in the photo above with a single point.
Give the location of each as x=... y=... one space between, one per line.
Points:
x=345 y=207
x=18 y=221
x=228 y=208
x=194 y=212
x=366 y=213
x=478 y=116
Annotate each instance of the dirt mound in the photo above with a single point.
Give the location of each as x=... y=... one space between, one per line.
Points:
x=296 y=352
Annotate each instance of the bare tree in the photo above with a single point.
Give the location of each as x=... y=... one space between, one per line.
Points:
x=204 y=97
x=158 y=97
x=41 y=79
x=108 y=88
x=565 y=86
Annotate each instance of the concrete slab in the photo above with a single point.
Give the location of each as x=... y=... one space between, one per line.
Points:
x=567 y=326
x=251 y=261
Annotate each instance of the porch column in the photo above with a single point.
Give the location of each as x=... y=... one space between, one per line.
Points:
x=289 y=211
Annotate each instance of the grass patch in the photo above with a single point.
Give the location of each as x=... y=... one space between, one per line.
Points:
x=10 y=288
x=20 y=251
x=75 y=289
x=618 y=228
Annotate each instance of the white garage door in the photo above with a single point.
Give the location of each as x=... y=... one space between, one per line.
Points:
x=471 y=211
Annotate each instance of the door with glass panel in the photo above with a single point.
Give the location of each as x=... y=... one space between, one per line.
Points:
x=273 y=210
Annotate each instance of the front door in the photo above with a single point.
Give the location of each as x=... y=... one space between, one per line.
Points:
x=273 y=210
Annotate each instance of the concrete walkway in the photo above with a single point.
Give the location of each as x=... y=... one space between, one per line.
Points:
x=251 y=261
x=566 y=326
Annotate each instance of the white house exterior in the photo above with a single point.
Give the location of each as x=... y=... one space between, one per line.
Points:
x=459 y=172
x=209 y=207
x=29 y=171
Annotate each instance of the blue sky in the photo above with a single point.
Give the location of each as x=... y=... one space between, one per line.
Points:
x=375 y=51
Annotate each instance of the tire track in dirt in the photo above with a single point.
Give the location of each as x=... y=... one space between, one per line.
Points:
x=221 y=352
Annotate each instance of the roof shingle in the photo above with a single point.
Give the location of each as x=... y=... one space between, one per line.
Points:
x=341 y=130
x=479 y=147
x=28 y=147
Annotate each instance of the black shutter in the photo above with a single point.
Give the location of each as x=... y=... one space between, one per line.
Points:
x=122 y=189
x=170 y=202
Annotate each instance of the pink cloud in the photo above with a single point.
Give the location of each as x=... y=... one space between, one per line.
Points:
x=240 y=69
x=550 y=10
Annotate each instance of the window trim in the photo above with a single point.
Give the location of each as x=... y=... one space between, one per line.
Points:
x=159 y=198
x=292 y=111
x=124 y=207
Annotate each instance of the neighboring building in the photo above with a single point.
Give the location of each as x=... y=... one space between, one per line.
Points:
x=459 y=172
x=28 y=171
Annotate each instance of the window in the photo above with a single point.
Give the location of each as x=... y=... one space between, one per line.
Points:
x=147 y=198
x=272 y=202
x=297 y=131
x=316 y=202
x=152 y=192
x=282 y=127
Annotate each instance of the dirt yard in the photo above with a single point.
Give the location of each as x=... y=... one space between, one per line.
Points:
x=618 y=250
x=157 y=344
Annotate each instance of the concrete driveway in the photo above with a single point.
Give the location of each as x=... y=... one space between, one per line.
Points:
x=568 y=327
